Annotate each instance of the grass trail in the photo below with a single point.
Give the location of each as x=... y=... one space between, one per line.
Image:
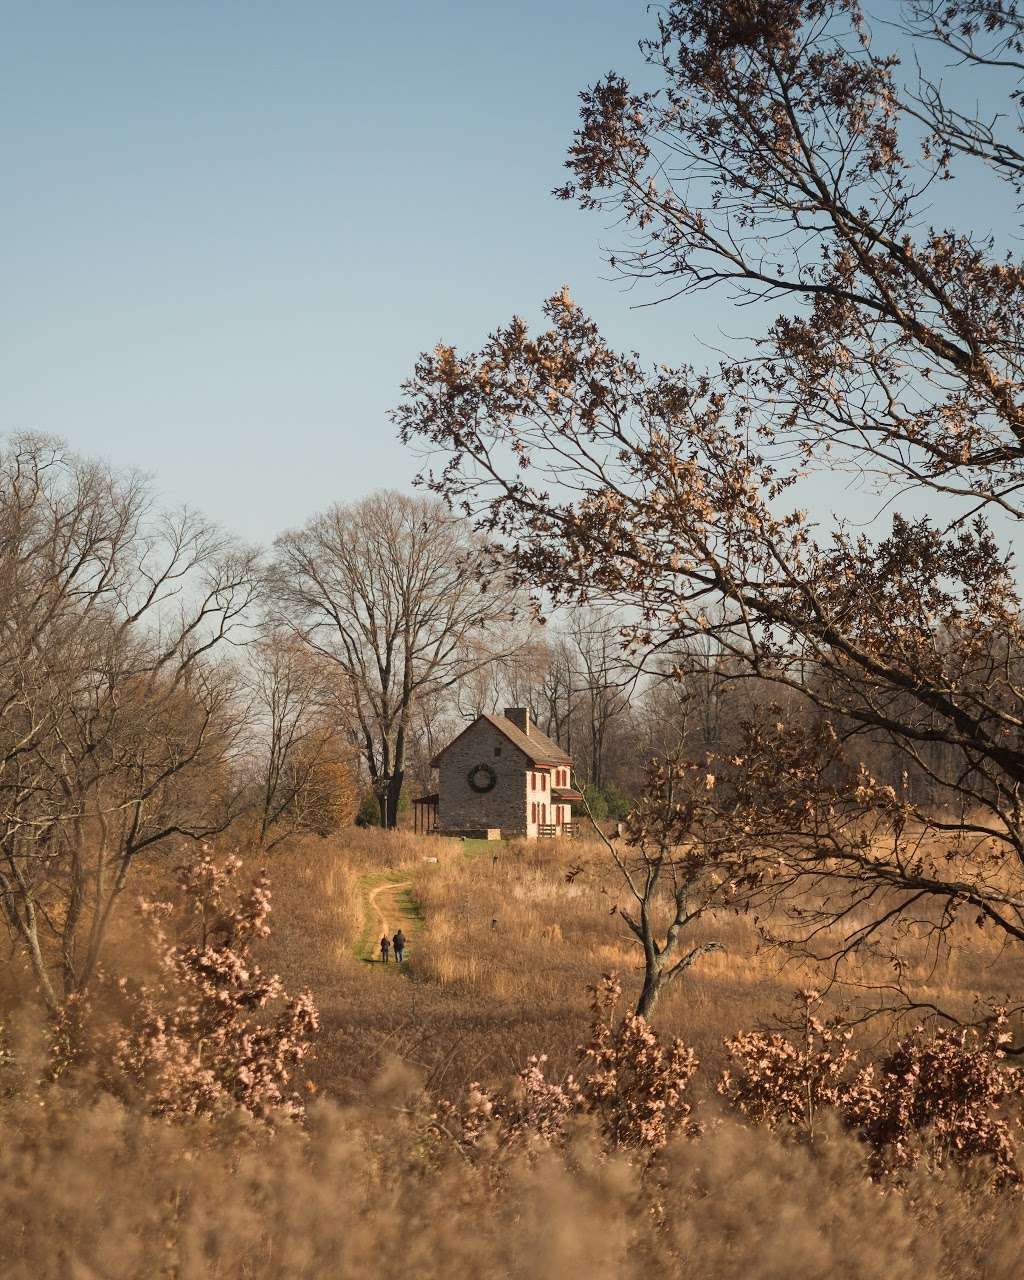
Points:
x=390 y=904
x=390 y=900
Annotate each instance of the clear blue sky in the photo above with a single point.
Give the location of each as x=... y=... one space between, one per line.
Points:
x=228 y=228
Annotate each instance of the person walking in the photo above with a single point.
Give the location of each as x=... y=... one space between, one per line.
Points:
x=385 y=947
x=399 y=941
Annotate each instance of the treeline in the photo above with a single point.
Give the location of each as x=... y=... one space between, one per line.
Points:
x=159 y=681
x=614 y=713
x=162 y=684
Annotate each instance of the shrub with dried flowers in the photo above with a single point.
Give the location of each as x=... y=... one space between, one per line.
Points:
x=775 y=1082
x=533 y=1109
x=940 y=1099
x=634 y=1086
x=211 y=1032
x=943 y=1099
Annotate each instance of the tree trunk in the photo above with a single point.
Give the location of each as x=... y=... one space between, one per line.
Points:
x=654 y=961
x=649 y=993
x=388 y=799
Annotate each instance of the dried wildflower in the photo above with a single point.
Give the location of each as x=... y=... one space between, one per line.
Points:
x=777 y=1083
x=942 y=1099
x=212 y=1032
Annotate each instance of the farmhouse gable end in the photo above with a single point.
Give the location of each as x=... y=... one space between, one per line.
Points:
x=500 y=774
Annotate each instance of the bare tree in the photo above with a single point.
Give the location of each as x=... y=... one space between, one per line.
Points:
x=387 y=591
x=479 y=689
x=672 y=862
x=559 y=694
x=603 y=682
x=784 y=163
x=304 y=779
x=117 y=726
x=434 y=723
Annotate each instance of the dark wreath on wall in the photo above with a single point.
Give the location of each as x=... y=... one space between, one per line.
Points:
x=481 y=778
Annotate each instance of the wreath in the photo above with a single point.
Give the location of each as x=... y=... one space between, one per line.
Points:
x=481 y=778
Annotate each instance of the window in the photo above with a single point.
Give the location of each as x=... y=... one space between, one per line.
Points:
x=533 y=811
x=533 y=782
x=497 y=751
x=543 y=782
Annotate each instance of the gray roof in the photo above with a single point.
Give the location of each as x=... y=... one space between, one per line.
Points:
x=537 y=746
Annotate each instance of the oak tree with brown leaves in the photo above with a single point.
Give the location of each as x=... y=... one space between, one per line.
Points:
x=673 y=857
x=787 y=159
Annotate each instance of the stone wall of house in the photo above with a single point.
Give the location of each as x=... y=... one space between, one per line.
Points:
x=506 y=805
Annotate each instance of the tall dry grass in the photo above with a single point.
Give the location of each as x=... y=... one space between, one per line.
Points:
x=92 y=1192
x=499 y=964
x=498 y=969
x=321 y=884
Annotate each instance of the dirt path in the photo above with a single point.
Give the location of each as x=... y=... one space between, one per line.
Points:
x=390 y=907
x=393 y=907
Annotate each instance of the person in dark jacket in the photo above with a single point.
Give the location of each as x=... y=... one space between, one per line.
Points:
x=399 y=942
x=385 y=947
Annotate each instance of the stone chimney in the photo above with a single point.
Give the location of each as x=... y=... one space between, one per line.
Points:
x=520 y=717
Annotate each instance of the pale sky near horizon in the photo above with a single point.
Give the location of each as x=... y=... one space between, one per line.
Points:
x=229 y=228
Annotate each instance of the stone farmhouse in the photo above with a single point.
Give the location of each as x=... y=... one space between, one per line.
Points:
x=500 y=777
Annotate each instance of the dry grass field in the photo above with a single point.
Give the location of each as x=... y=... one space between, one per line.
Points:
x=97 y=1193
x=502 y=951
